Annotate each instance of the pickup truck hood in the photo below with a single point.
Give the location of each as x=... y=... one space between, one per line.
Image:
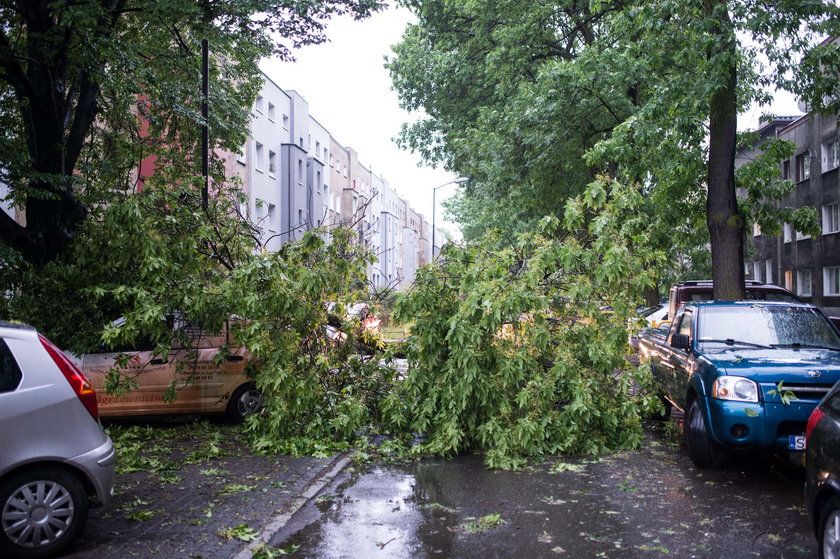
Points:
x=783 y=364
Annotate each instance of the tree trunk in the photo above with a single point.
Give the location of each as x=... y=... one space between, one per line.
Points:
x=726 y=227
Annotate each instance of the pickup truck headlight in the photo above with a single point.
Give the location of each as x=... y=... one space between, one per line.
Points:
x=735 y=388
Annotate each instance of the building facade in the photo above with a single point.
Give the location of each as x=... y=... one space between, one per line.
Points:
x=299 y=177
x=807 y=265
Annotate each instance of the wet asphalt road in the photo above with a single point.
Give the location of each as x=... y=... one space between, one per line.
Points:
x=648 y=503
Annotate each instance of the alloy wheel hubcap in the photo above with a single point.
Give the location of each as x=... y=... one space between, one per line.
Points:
x=37 y=513
x=831 y=536
x=250 y=402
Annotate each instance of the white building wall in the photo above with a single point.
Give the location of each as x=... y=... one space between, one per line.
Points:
x=389 y=235
x=261 y=167
x=319 y=153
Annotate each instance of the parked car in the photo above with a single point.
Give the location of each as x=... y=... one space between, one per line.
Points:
x=56 y=459
x=654 y=316
x=207 y=381
x=702 y=290
x=822 y=473
x=746 y=374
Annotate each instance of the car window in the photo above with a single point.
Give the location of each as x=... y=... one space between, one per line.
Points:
x=782 y=325
x=780 y=297
x=10 y=374
x=685 y=324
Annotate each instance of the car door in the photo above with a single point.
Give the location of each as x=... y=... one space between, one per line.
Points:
x=207 y=376
x=675 y=365
x=150 y=374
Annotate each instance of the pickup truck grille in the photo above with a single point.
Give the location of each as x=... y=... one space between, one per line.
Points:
x=807 y=391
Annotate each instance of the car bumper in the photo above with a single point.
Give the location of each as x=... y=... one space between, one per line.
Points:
x=757 y=424
x=99 y=466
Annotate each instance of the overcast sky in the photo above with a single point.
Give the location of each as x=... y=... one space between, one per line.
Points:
x=349 y=93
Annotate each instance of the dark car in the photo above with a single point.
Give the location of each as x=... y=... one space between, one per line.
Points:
x=822 y=473
x=702 y=290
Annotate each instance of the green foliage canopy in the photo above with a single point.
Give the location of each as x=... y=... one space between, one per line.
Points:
x=90 y=88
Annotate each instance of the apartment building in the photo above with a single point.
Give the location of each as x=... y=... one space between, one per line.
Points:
x=259 y=163
x=339 y=182
x=808 y=266
x=299 y=177
x=389 y=232
x=411 y=244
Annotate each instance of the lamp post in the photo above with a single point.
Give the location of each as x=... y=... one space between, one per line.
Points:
x=459 y=180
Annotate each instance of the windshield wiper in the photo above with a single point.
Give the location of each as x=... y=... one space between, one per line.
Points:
x=808 y=346
x=730 y=341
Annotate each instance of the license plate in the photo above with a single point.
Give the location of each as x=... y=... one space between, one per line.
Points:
x=796 y=442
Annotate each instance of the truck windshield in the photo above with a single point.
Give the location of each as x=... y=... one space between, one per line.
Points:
x=767 y=326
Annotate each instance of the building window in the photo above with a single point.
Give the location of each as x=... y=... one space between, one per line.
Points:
x=831 y=218
x=271 y=112
x=803 y=283
x=747 y=268
x=800 y=236
x=789 y=280
x=272 y=162
x=830 y=155
x=286 y=121
x=787 y=232
x=325 y=154
x=270 y=214
x=786 y=169
x=768 y=271
x=317 y=148
x=803 y=166
x=241 y=157
x=258 y=104
x=265 y=214
x=831 y=281
x=300 y=171
x=258 y=163
x=757 y=270
x=756 y=229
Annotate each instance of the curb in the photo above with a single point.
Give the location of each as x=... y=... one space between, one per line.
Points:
x=279 y=521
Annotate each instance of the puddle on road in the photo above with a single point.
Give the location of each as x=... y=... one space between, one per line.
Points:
x=383 y=513
x=648 y=503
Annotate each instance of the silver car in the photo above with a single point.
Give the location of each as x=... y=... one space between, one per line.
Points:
x=55 y=458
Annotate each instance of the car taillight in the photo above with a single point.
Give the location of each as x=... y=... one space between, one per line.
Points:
x=815 y=417
x=80 y=384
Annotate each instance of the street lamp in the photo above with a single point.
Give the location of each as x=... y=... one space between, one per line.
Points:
x=459 y=180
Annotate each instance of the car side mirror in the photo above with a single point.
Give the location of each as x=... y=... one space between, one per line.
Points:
x=680 y=341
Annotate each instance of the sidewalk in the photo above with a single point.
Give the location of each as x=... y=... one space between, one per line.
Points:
x=199 y=504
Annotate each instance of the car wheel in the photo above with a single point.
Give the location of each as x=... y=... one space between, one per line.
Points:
x=42 y=510
x=830 y=530
x=246 y=400
x=704 y=452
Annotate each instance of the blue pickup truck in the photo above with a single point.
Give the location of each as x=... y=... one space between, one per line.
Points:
x=746 y=374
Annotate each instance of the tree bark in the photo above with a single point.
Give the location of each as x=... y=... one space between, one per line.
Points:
x=726 y=226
